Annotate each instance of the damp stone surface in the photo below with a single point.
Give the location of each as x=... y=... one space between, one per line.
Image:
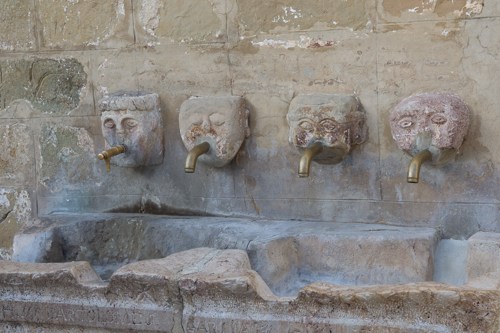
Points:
x=51 y=85
x=226 y=275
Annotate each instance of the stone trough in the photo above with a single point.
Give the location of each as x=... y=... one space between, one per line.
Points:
x=145 y=273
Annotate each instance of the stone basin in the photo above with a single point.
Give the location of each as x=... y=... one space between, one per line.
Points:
x=288 y=255
x=212 y=274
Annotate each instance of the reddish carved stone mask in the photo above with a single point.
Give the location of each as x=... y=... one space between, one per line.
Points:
x=434 y=121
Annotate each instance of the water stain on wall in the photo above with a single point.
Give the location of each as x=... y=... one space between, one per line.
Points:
x=52 y=86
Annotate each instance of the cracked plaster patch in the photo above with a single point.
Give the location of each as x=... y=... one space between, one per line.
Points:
x=471 y=8
x=456 y=8
x=304 y=42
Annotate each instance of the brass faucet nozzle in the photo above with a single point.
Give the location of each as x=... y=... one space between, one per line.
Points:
x=197 y=151
x=107 y=154
x=415 y=164
x=307 y=157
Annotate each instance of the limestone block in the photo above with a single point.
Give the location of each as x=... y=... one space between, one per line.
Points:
x=480 y=65
x=85 y=24
x=362 y=256
x=397 y=11
x=490 y=281
x=300 y=15
x=160 y=21
x=210 y=290
x=483 y=255
x=17 y=26
x=287 y=63
x=15 y=212
x=33 y=274
x=221 y=272
x=16 y=154
x=71 y=294
x=67 y=159
x=51 y=86
x=37 y=247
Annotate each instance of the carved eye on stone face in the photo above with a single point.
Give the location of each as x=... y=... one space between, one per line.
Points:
x=109 y=123
x=195 y=120
x=328 y=125
x=438 y=119
x=405 y=122
x=216 y=119
x=306 y=126
x=129 y=123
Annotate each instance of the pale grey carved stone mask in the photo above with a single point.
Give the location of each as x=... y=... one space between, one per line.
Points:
x=220 y=121
x=133 y=119
x=334 y=120
x=434 y=121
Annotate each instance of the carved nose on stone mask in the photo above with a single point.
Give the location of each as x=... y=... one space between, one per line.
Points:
x=206 y=124
x=423 y=140
x=120 y=135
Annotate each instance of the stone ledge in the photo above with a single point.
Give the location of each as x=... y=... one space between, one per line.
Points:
x=210 y=290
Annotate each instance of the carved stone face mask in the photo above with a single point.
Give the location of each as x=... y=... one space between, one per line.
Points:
x=336 y=121
x=434 y=121
x=133 y=120
x=220 y=121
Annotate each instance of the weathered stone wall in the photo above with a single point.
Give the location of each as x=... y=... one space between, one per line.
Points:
x=58 y=57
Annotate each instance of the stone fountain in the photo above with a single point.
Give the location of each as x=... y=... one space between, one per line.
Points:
x=114 y=272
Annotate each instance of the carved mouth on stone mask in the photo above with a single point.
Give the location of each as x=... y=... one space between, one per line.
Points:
x=197 y=131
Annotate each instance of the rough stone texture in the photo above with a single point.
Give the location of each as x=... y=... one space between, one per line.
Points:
x=16 y=154
x=84 y=24
x=67 y=159
x=15 y=213
x=407 y=66
x=393 y=10
x=17 y=26
x=298 y=15
x=335 y=121
x=222 y=122
x=133 y=120
x=288 y=255
x=379 y=50
x=394 y=50
x=437 y=122
x=483 y=254
x=191 y=21
x=209 y=290
x=51 y=85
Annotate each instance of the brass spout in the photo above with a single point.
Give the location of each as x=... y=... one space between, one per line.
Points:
x=305 y=160
x=193 y=155
x=107 y=154
x=416 y=163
